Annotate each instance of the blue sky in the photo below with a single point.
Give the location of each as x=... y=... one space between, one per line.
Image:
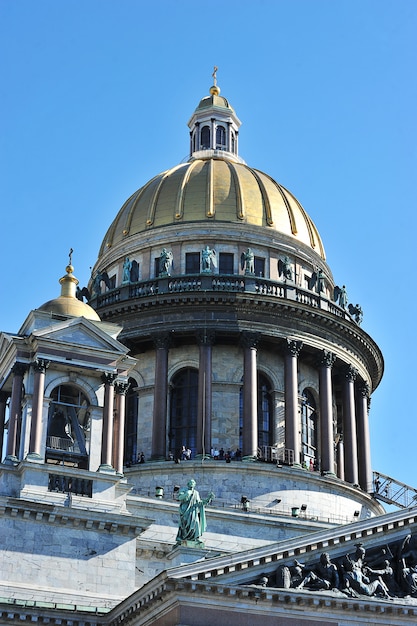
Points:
x=95 y=97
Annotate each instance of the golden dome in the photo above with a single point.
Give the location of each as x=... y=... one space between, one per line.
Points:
x=213 y=189
x=68 y=303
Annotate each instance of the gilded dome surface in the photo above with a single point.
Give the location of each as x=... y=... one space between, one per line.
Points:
x=68 y=303
x=64 y=305
x=213 y=189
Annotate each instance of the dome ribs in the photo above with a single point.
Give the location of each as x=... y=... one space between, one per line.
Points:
x=135 y=201
x=312 y=231
x=108 y=239
x=210 y=188
x=179 y=204
x=265 y=197
x=154 y=200
x=287 y=205
x=213 y=189
x=240 y=208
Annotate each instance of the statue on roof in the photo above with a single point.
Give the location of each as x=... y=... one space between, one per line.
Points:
x=165 y=262
x=356 y=312
x=192 y=514
x=340 y=295
x=127 y=266
x=208 y=259
x=247 y=261
x=284 y=268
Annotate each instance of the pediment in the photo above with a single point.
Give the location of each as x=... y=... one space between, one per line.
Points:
x=80 y=333
x=391 y=537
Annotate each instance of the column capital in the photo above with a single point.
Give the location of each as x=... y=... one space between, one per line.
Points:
x=293 y=347
x=206 y=337
x=19 y=368
x=364 y=390
x=327 y=358
x=351 y=373
x=249 y=339
x=162 y=340
x=121 y=387
x=40 y=365
x=108 y=378
x=4 y=396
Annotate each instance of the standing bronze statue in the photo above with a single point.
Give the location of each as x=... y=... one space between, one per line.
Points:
x=192 y=514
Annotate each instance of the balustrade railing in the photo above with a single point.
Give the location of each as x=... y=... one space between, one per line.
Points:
x=70 y=484
x=189 y=283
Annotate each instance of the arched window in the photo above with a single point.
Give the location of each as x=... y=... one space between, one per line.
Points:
x=183 y=411
x=308 y=427
x=205 y=138
x=131 y=425
x=68 y=435
x=220 y=138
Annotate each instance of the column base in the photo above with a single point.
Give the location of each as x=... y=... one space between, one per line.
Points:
x=106 y=469
x=11 y=460
x=34 y=457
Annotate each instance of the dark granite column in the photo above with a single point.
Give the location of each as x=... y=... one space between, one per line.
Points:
x=40 y=366
x=159 y=423
x=18 y=370
x=206 y=340
x=292 y=425
x=121 y=389
x=4 y=396
x=326 y=412
x=107 y=435
x=250 y=395
x=349 y=427
x=364 y=446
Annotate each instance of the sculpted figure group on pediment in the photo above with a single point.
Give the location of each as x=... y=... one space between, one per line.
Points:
x=384 y=572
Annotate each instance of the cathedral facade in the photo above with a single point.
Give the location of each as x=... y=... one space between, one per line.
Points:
x=212 y=344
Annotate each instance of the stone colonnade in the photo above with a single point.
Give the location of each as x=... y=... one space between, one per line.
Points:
x=112 y=444
x=353 y=446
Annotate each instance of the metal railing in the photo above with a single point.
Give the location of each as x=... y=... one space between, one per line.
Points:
x=391 y=491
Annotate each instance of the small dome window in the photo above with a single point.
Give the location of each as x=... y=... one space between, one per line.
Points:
x=220 y=138
x=205 y=138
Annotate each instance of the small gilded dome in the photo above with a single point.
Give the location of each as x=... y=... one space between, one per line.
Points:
x=68 y=303
x=215 y=189
x=214 y=100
